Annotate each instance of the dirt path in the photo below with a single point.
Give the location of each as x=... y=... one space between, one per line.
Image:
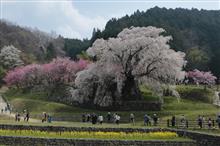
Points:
x=3 y=105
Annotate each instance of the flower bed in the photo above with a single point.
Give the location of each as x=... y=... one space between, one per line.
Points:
x=93 y=135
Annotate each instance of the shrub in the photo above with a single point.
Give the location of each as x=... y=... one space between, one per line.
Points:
x=195 y=93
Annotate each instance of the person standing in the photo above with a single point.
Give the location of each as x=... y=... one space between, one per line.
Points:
x=209 y=123
x=44 y=117
x=183 y=121
x=100 y=119
x=16 y=116
x=114 y=117
x=88 y=116
x=83 y=118
x=109 y=117
x=49 y=118
x=27 y=116
x=155 y=119
x=94 y=118
x=218 y=121
x=117 y=119
x=173 y=121
x=24 y=114
x=199 y=120
x=132 y=118
x=146 y=120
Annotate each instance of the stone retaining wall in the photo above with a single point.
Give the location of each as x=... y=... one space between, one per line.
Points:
x=62 y=128
x=28 y=141
x=201 y=138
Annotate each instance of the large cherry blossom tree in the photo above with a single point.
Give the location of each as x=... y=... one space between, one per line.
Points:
x=137 y=54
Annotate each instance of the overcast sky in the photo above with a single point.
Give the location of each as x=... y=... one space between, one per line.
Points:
x=77 y=18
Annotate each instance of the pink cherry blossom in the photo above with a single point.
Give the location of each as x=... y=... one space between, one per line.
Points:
x=59 y=71
x=202 y=77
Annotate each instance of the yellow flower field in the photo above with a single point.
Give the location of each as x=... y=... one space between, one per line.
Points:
x=92 y=135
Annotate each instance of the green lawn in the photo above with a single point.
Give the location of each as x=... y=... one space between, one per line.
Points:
x=37 y=103
x=196 y=93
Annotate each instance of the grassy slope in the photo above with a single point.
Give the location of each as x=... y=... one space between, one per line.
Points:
x=196 y=93
x=36 y=103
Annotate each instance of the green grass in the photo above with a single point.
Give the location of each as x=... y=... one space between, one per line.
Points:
x=148 y=94
x=196 y=93
x=15 y=93
x=36 y=106
x=37 y=103
x=191 y=109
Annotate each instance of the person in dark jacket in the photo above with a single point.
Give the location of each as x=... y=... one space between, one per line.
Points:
x=94 y=118
x=173 y=121
x=109 y=116
x=218 y=121
x=83 y=118
x=155 y=119
x=199 y=120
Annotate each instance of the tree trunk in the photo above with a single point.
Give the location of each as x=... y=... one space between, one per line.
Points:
x=130 y=90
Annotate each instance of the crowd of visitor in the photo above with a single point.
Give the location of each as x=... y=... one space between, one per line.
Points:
x=149 y=121
x=94 y=118
x=202 y=122
x=116 y=118
x=26 y=116
x=182 y=122
x=153 y=120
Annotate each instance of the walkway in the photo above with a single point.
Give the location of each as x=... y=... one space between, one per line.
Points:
x=3 y=104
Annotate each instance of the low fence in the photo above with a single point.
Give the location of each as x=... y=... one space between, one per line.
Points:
x=192 y=124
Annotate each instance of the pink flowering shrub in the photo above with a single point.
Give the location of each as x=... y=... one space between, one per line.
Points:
x=60 y=71
x=201 y=77
x=23 y=76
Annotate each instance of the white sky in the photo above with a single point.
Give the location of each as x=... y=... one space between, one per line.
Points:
x=77 y=18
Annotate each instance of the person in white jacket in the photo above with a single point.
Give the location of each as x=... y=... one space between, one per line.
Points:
x=100 y=119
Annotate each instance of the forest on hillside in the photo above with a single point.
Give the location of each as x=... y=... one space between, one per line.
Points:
x=195 y=32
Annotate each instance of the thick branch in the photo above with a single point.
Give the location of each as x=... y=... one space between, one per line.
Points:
x=148 y=68
x=120 y=57
x=146 y=73
x=130 y=57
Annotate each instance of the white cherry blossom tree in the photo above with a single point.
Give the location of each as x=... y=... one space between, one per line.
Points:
x=137 y=54
x=10 y=57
